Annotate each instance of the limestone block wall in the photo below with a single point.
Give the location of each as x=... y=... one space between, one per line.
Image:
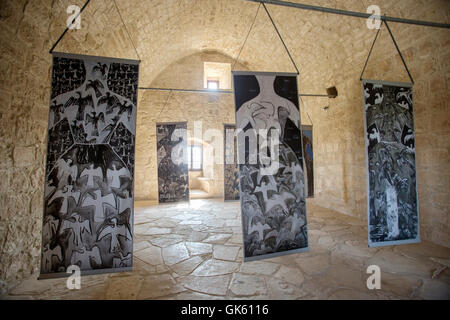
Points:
x=24 y=101
x=27 y=31
x=328 y=49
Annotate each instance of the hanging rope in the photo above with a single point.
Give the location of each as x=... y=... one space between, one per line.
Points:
x=310 y=120
x=370 y=53
x=245 y=41
x=126 y=29
x=398 y=50
x=276 y=29
x=281 y=38
x=76 y=17
x=68 y=27
x=396 y=46
x=165 y=103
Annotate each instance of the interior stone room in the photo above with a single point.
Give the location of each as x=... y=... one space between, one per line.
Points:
x=194 y=249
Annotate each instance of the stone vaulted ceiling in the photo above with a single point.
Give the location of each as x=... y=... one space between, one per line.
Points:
x=164 y=31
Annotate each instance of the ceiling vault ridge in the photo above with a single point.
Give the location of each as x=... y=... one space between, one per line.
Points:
x=296 y=5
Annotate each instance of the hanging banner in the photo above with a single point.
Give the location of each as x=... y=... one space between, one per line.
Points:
x=173 y=176
x=88 y=204
x=307 y=141
x=270 y=158
x=230 y=167
x=393 y=215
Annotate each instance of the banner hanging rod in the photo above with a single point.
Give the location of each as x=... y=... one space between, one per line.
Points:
x=351 y=13
x=221 y=91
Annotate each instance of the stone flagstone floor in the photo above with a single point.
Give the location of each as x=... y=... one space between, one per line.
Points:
x=193 y=251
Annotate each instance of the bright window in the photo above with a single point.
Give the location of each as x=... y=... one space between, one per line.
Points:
x=217 y=72
x=213 y=85
x=195 y=157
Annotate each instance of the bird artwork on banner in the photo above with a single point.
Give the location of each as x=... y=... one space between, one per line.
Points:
x=90 y=164
x=271 y=177
x=390 y=147
x=173 y=181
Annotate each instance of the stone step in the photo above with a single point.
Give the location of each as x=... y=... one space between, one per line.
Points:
x=197 y=194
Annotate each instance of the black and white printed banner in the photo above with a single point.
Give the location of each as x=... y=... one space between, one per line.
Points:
x=393 y=215
x=230 y=166
x=173 y=175
x=88 y=204
x=307 y=140
x=270 y=157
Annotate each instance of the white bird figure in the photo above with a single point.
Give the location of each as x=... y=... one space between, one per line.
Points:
x=259 y=227
x=261 y=175
x=366 y=93
x=279 y=200
x=405 y=94
x=115 y=231
x=98 y=203
x=48 y=255
x=409 y=137
x=125 y=203
x=66 y=170
x=65 y=193
x=91 y=173
x=114 y=175
x=374 y=135
x=404 y=105
x=77 y=227
x=378 y=98
x=83 y=258
x=265 y=188
x=122 y=261
x=50 y=227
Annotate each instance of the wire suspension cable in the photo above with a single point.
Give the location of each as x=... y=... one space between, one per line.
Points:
x=68 y=27
x=186 y=90
x=396 y=46
x=165 y=103
x=352 y=13
x=245 y=41
x=281 y=38
x=126 y=29
x=219 y=91
x=304 y=104
x=399 y=52
x=370 y=52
